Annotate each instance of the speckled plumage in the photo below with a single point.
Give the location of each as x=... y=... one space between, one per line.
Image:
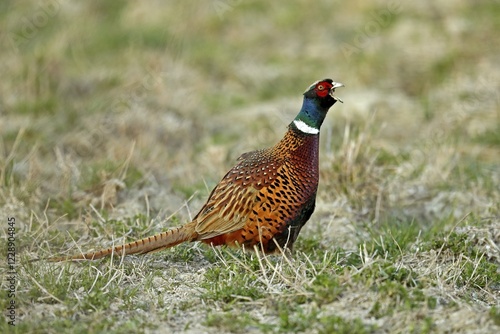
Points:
x=280 y=189
x=264 y=200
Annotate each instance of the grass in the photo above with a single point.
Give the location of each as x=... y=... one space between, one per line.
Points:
x=117 y=119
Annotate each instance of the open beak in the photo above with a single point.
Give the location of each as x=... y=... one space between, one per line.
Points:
x=332 y=90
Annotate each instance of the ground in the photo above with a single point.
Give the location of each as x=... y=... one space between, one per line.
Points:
x=117 y=118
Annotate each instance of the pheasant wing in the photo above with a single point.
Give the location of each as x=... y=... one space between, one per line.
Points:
x=232 y=200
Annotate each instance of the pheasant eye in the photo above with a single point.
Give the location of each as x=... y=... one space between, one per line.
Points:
x=321 y=87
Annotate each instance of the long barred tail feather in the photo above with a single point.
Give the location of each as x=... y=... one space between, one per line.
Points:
x=150 y=244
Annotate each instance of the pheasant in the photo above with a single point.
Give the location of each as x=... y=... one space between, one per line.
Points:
x=264 y=200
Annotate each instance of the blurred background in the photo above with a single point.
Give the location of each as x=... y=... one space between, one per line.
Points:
x=137 y=108
x=118 y=117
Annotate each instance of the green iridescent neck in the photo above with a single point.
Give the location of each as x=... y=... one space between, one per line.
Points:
x=310 y=117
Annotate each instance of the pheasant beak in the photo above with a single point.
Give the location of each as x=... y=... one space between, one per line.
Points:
x=332 y=90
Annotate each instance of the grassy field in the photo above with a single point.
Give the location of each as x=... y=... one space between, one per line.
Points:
x=117 y=118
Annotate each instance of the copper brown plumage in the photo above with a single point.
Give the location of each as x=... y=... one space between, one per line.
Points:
x=264 y=200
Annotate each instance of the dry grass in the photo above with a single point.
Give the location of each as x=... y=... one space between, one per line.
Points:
x=118 y=118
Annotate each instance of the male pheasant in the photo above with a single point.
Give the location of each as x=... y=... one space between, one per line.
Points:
x=264 y=200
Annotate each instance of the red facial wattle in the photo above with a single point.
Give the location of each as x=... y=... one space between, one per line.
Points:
x=323 y=88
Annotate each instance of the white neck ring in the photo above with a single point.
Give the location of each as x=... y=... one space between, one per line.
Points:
x=305 y=128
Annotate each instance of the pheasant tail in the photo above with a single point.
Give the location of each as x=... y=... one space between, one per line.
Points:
x=150 y=244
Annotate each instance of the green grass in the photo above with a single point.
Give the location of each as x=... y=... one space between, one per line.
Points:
x=117 y=119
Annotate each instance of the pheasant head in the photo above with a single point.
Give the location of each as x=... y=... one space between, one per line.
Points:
x=318 y=98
